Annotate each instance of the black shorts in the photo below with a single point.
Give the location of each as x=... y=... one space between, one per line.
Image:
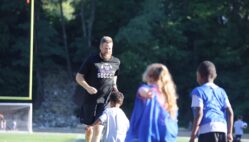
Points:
x=237 y=138
x=91 y=112
x=212 y=137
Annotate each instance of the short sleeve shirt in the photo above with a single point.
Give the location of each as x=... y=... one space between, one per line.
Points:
x=239 y=125
x=100 y=74
x=214 y=101
x=117 y=125
x=198 y=101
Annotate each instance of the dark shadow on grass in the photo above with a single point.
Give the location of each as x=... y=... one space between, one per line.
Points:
x=80 y=140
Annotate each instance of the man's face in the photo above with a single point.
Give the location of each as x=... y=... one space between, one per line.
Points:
x=106 y=49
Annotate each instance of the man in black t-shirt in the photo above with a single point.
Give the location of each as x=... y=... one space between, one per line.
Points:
x=98 y=76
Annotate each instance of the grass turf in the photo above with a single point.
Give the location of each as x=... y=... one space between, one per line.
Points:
x=41 y=137
x=50 y=137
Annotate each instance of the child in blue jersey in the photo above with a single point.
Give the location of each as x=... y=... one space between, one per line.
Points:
x=211 y=107
x=154 y=117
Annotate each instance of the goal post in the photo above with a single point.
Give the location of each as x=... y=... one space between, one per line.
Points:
x=31 y=3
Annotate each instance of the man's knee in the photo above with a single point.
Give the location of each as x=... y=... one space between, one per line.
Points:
x=98 y=129
x=89 y=131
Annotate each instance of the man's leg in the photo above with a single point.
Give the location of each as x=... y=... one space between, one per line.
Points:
x=237 y=138
x=87 y=117
x=98 y=129
x=89 y=135
x=97 y=133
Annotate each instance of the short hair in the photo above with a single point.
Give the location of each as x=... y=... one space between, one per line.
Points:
x=106 y=39
x=207 y=70
x=117 y=97
x=240 y=117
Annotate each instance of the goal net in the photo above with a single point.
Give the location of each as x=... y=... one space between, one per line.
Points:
x=15 y=117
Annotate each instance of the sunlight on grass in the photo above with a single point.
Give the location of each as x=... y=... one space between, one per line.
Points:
x=41 y=137
x=182 y=139
x=55 y=137
x=50 y=137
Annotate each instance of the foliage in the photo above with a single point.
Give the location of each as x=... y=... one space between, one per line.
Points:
x=14 y=53
x=51 y=7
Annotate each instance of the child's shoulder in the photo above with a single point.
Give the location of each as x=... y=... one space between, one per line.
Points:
x=113 y=109
x=208 y=86
x=205 y=87
x=197 y=89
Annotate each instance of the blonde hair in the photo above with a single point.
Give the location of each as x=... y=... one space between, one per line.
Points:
x=159 y=73
x=106 y=39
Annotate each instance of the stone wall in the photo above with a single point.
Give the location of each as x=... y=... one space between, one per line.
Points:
x=57 y=109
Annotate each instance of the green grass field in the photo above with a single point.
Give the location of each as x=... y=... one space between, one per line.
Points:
x=50 y=137
x=55 y=137
x=41 y=137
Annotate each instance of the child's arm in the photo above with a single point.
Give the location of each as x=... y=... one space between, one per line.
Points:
x=145 y=92
x=244 y=125
x=197 y=120
x=230 y=124
x=99 y=121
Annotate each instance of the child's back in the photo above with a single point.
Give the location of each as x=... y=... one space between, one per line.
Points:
x=154 y=116
x=214 y=101
x=114 y=119
x=117 y=124
x=210 y=105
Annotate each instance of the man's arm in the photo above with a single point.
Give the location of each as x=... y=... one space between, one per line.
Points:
x=82 y=82
x=115 y=87
x=230 y=116
x=197 y=120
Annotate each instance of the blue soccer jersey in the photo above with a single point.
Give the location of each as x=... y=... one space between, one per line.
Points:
x=214 y=102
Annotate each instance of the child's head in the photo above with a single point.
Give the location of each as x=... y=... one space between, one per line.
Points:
x=206 y=72
x=116 y=98
x=159 y=74
x=155 y=72
x=240 y=117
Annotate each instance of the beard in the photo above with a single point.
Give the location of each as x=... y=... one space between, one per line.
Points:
x=106 y=56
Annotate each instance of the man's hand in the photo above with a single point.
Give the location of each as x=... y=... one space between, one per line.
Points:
x=91 y=90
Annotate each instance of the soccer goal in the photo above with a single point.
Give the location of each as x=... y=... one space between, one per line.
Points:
x=16 y=117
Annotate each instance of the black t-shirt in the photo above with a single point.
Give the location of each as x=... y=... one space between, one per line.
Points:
x=100 y=74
